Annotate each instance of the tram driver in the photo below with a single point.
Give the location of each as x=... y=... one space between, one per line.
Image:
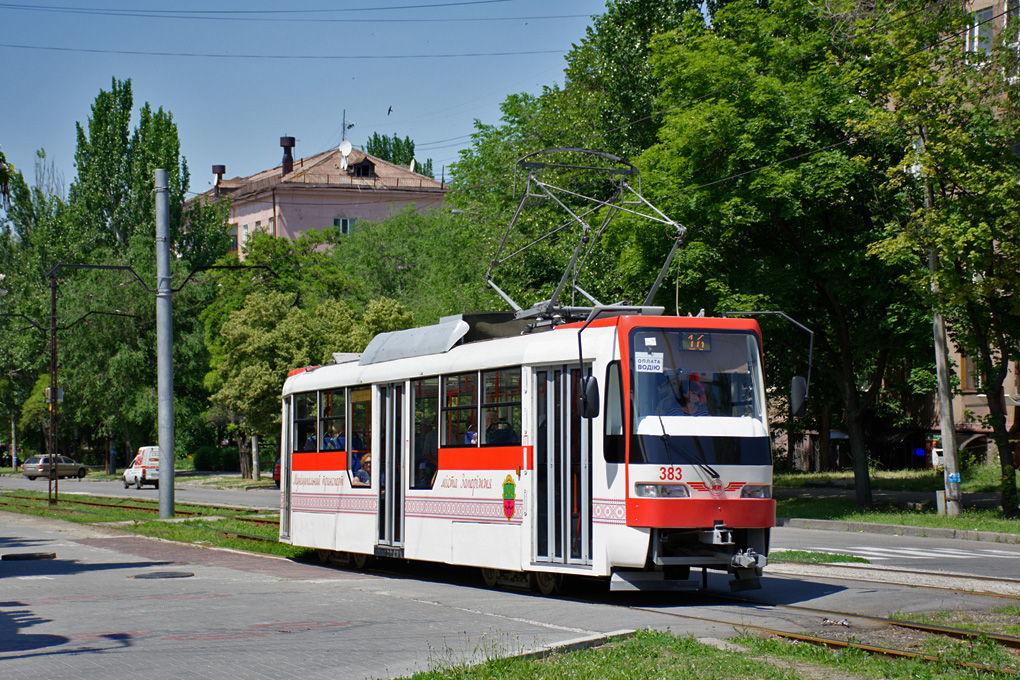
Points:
x=682 y=395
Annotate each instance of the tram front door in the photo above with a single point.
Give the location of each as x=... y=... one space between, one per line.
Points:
x=563 y=523
x=390 y=426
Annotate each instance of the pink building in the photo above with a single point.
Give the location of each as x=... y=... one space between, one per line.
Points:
x=332 y=188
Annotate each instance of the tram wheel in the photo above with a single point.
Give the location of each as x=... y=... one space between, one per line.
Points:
x=544 y=583
x=360 y=560
x=323 y=554
x=490 y=577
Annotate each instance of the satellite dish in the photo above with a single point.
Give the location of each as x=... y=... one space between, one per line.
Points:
x=345 y=151
x=411 y=168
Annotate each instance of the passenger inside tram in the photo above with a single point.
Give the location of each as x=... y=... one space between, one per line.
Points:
x=363 y=476
x=498 y=431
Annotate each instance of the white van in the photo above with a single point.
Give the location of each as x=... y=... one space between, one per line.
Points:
x=144 y=469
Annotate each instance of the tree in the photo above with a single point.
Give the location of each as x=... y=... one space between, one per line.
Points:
x=431 y=261
x=397 y=151
x=759 y=157
x=112 y=198
x=107 y=363
x=262 y=342
x=612 y=63
x=957 y=112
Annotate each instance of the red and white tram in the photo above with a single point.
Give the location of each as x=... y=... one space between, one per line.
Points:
x=467 y=443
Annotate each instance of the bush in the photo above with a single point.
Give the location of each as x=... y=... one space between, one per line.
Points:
x=217 y=459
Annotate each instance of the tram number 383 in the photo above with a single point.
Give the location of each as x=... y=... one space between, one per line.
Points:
x=670 y=473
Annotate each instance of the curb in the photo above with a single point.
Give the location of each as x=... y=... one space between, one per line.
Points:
x=897 y=530
x=576 y=644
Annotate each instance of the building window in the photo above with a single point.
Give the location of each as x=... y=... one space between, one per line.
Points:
x=344 y=224
x=364 y=169
x=979 y=35
x=272 y=226
x=233 y=235
x=258 y=225
x=970 y=376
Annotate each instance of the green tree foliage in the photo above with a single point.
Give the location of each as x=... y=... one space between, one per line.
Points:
x=956 y=111
x=612 y=64
x=106 y=360
x=397 y=151
x=760 y=159
x=112 y=197
x=431 y=262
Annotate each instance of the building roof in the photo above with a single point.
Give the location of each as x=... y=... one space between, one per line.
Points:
x=327 y=170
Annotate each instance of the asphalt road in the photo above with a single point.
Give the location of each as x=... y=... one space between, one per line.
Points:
x=91 y=613
x=186 y=489
x=926 y=555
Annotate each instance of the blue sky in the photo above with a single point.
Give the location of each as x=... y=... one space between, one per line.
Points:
x=239 y=75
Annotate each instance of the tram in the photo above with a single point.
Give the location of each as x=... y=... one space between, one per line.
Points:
x=606 y=441
x=630 y=446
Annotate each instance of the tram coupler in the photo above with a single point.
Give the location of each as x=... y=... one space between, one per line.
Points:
x=749 y=559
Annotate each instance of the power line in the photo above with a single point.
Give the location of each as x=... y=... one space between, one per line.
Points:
x=231 y=16
x=240 y=12
x=281 y=57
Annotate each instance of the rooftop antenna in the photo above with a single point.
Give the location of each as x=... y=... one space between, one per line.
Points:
x=344 y=127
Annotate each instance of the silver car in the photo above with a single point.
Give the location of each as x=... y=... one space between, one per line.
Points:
x=39 y=466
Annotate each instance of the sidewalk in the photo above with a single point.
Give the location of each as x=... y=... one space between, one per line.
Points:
x=904 y=499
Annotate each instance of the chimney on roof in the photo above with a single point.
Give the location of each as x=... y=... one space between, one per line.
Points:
x=288 y=160
x=219 y=171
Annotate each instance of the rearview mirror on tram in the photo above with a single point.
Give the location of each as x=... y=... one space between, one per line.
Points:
x=588 y=397
x=798 y=396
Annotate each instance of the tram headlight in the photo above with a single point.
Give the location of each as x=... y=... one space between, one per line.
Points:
x=661 y=491
x=756 y=491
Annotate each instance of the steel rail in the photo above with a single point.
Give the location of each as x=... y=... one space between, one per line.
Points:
x=886 y=651
x=948 y=631
x=835 y=644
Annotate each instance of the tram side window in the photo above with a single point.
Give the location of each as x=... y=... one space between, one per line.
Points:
x=613 y=446
x=306 y=414
x=334 y=419
x=426 y=435
x=502 y=406
x=361 y=427
x=460 y=410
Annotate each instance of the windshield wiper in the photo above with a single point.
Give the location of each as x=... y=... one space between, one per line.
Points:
x=702 y=464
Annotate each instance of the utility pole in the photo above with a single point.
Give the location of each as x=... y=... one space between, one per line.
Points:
x=947 y=423
x=52 y=487
x=164 y=349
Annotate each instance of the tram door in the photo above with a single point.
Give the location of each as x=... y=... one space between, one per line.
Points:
x=390 y=470
x=563 y=443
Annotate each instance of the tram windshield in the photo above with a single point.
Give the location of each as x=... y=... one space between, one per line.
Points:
x=698 y=397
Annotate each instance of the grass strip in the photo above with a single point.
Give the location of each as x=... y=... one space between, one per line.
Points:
x=648 y=655
x=857 y=663
x=813 y=557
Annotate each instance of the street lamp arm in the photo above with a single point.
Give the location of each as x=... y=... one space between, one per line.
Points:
x=116 y=267
x=224 y=266
x=85 y=316
x=33 y=323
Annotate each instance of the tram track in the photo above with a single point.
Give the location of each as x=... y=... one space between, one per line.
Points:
x=856 y=641
x=4 y=500
x=995 y=586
